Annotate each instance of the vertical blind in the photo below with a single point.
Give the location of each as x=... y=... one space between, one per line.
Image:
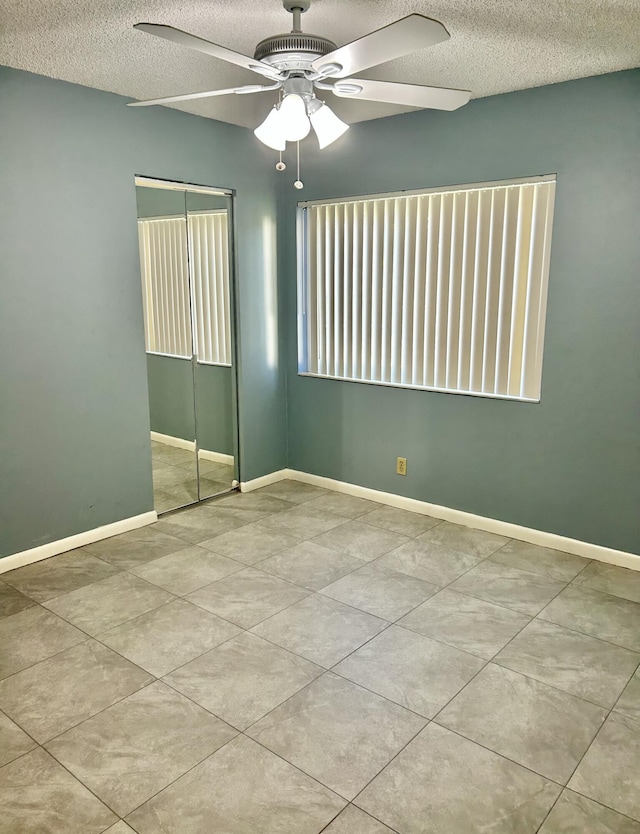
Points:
x=169 y=247
x=209 y=257
x=444 y=290
x=165 y=285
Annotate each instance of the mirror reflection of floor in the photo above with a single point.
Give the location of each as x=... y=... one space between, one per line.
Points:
x=174 y=477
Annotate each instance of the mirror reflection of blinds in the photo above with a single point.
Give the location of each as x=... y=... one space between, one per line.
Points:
x=165 y=285
x=209 y=256
x=444 y=290
x=168 y=246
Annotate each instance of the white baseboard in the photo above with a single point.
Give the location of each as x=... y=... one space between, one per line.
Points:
x=190 y=445
x=178 y=442
x=217 y=457
x=492 y=525
x=266 y=480
x=45 y=551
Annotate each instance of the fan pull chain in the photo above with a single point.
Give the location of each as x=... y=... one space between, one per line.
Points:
x=298 y=183
x=280 y=165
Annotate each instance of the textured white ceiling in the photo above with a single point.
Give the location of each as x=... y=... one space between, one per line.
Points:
x=496 y=45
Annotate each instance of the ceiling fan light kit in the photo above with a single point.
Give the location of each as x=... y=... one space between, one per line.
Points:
x=269 y=132
x=293 y=117
x=328 y=127
x=298 y=64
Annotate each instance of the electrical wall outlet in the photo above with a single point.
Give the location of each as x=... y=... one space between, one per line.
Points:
x=401 y=466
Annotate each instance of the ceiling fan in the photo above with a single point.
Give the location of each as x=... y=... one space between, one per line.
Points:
x=297 y=64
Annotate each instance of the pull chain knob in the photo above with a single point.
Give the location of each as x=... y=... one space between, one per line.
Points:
x=298 y=183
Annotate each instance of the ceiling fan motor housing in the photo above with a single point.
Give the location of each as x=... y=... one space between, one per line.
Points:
x=293 y=50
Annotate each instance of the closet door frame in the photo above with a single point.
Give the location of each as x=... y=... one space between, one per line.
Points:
x=229 y=193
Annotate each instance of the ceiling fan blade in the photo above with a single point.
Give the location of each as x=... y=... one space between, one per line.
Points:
x=414 y=95
x=405 y=35
x=251 y=88
x=213 y=49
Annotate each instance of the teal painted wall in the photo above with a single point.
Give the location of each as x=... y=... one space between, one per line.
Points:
x=571 y=464
x=156 y=202
x=171 y=402
x=74 y=413
x=214 y=408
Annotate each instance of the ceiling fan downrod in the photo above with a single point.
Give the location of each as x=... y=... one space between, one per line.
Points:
x=297 y=8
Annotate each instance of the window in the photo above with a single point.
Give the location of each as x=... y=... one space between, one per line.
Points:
x=443 y=290
x=169 y=246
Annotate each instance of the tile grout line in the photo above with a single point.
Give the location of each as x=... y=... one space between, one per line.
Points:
x=469 y=682
x=517 y=634
x=331 y=669
x=231 y=622
x=472 y=741
x=316 y=779
x=51 y=561
x=160 y=678
x=369 y=562
x=37 y=744
x=500 y=755
x=130 y=619
x=97 y=638
x=325 y=671
x=296 y=654
x=86 y=639
x=586 y=796
x=239 y=734
x=93 y=715
x=105 y=803
x=585 y=634
x=557 y=688
x=130 y=569
x=598 y=802
x=564 y=786
x=553 y=805
x=396 y=622
x=389 y=623
x=574 y=631
x=80 y=782
x=350 y=802
x=448 y=587
x=351 y=805
x=150 y=683
x=372 y=562
x=610 y=711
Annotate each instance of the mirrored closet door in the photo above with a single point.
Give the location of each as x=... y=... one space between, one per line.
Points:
x=186 y=262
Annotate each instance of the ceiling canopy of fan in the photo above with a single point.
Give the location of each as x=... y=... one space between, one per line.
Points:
x=298 y=64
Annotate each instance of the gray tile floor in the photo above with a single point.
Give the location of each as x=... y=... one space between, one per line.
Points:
x=175 y=478
x=295 y=660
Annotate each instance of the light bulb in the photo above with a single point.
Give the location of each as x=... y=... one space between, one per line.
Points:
x=294 y=119
x=271 y=132
x=327 y=125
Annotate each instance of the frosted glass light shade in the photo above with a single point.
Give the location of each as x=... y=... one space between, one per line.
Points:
x=271 y=132
x=327 y=125
x=294 y=119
